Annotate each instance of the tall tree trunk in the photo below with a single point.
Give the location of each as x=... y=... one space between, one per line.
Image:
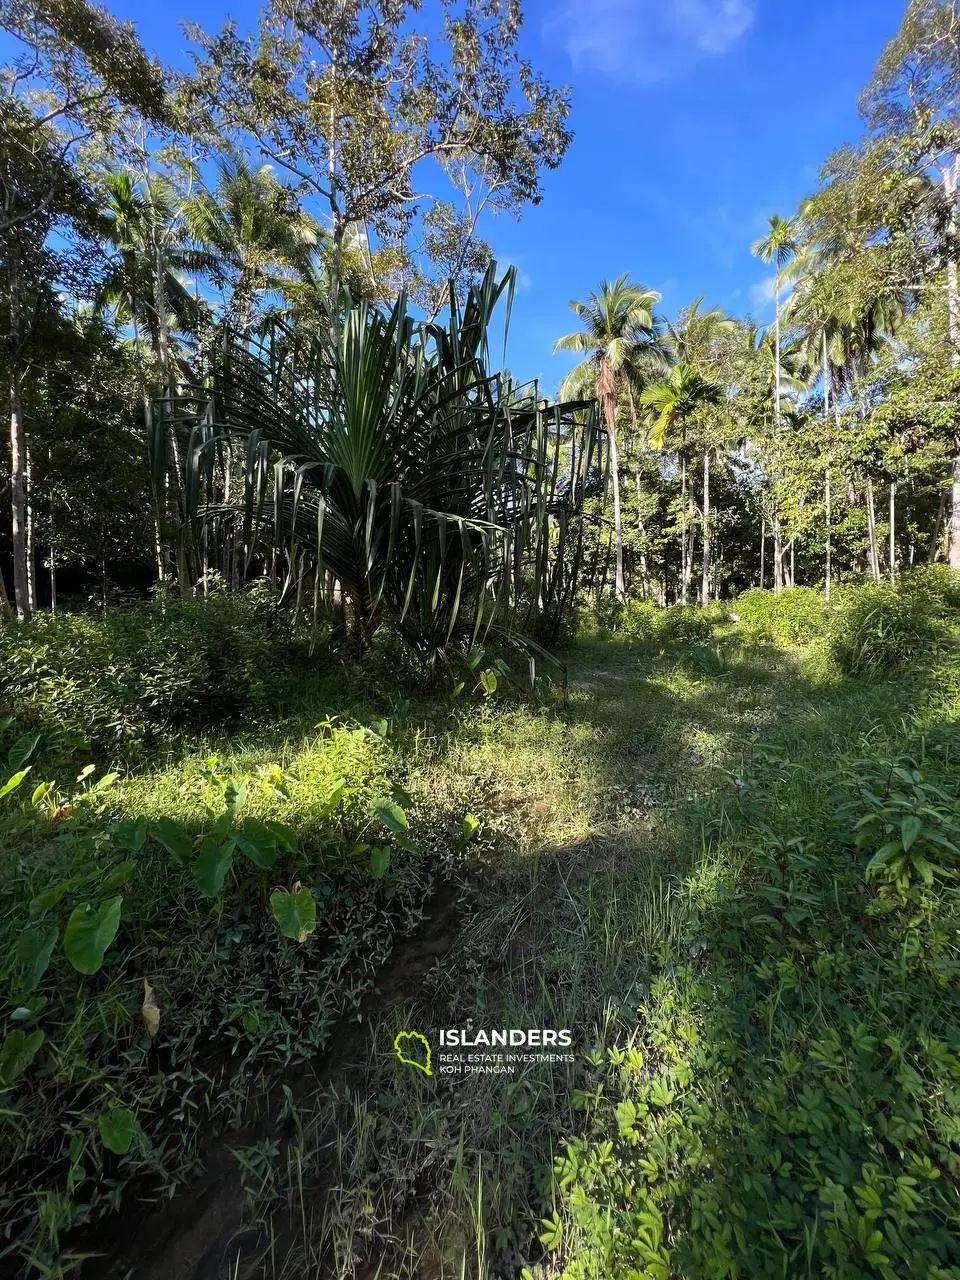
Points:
x=31 y=561
x=934 y=549
x=826 y=504
x=893 y=533
x=873 y=551
x=827 y=393
x=18 y=444
x=777 y=556
x=607 y=390
x=763 y=547
x=683 y=530
x=705 y=578
x=642 y=530
x=950 y=179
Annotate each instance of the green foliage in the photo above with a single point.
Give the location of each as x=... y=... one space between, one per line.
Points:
x=89 y=932
x=937 y=584
x=787 y=1089
x=796 y=615
x=101 y=683
x=880 y=631
x=641 y=620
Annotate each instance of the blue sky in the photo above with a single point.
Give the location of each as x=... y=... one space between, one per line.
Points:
x=694 y=121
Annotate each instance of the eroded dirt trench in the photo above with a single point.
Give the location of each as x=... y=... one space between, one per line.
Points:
x=206 y=1232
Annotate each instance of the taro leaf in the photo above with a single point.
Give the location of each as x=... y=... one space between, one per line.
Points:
x=116 y=1130
x=22 y=750
x=12 y=783
x=34 y=950
x=50 y=897
x=379 y=862
x=471 y=826
x=150 y=1010
x=132 y=833
x=391 y=816
x=910 y=828
x=212 y=866
x=259 y=842
x=90 y=930
x=172 y=837
x=261 y=855
x=17 y=1052
x=295 y=912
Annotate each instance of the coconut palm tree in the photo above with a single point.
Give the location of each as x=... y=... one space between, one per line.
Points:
x=260 y=239
x=777 y=247
x=146 y=284
x=675 y=401
x=619 y=326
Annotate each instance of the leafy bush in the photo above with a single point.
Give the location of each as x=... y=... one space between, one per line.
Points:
x=645 y=621
x=936 y=583
x=106 y=682
x=879 y=631
x=796 y=616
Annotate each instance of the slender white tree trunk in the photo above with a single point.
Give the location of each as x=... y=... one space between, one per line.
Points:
x=763 y=546
x=705 y=579
x=31 y=564
x=872 y=549
x=826 y=504
x=893 y=531
x=953 y=325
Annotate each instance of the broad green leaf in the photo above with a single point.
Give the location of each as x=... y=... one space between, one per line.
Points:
x=86 y=771
x=22 y=750
x=17 y=1052
x=471 y=826
x=90 y=930
x=40 y=793
x=133 y=833
x=213 y=865
x=910 y=828
x=295 y=912
x=391 y=816
x=116 y=1130
x=12 y=783
x=34 y=950
x=262 y=855
x=379 y=862
x=172 y=837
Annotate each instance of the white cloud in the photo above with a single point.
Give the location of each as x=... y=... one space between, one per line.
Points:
x=761 y=294
x=645 y=40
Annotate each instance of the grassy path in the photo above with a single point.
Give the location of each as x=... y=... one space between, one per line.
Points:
x=766 y=1047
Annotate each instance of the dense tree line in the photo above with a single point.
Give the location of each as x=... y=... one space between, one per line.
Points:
x=828 y=443
x=144 y=215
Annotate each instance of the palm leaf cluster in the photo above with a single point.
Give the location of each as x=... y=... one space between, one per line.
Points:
x=391 y=470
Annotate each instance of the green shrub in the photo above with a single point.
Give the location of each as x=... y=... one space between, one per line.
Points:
x=879 y=631
x=644 y=621
x=936 y=583
x=796 y=616
x=121 y=679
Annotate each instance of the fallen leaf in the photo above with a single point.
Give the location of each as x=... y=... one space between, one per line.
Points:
x=150 y=1010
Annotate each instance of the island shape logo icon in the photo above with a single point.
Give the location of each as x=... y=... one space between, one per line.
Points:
x=407 y=1042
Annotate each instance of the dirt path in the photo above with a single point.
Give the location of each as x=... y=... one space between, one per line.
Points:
x=202 y=1232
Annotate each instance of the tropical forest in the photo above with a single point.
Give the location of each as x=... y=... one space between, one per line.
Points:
x=480 y=640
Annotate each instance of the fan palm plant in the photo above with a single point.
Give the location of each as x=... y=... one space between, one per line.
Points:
x=618 y=325
x=382 y=455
